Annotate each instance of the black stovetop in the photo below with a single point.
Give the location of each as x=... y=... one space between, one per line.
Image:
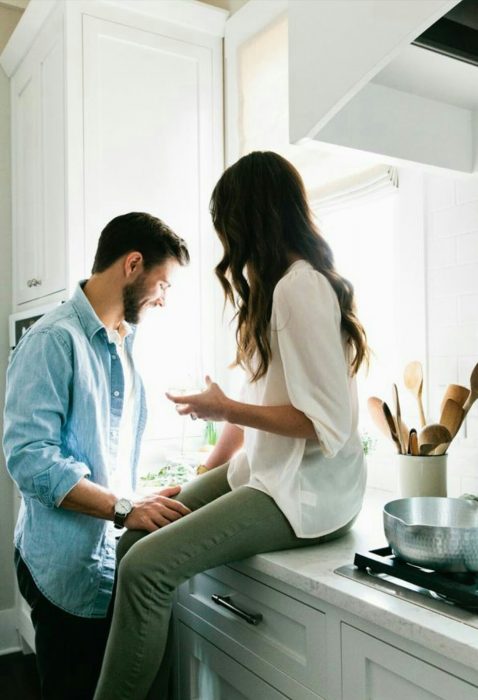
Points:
x=455 y=596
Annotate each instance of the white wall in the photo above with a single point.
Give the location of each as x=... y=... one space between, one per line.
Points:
x=436 y=273
x=451 y=227
x=8 y=19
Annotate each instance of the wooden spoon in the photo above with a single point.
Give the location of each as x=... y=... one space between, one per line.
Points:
x=473 y=391
x=431 y=436
x=413 y=378
x=452 y=416
x=400 y=427
x=413 y=443
x=441 y=449
x=458 y=393
x=383 y=418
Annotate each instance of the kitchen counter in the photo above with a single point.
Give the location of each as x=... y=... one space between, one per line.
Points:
x=311 y=570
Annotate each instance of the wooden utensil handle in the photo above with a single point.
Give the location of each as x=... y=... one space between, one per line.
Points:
x=421 y=412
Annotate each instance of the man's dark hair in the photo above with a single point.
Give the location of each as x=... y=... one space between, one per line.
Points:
x=140 y=232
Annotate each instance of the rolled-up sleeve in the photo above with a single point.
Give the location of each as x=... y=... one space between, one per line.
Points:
x=37 y=399
x=306 y=318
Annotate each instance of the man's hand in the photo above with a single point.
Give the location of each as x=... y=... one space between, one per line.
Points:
x=153 y=512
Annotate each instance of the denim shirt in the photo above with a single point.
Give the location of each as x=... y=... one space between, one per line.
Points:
x=63 y=406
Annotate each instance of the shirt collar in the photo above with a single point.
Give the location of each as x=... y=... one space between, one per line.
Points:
x=88 y=318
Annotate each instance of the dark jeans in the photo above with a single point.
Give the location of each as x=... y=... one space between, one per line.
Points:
x=69 y=649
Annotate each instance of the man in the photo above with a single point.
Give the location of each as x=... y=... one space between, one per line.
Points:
x=74 y=417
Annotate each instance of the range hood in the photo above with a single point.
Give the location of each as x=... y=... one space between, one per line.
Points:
x=394 y=78
x=455 y=34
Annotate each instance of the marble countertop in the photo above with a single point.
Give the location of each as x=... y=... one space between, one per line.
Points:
x=312 y=570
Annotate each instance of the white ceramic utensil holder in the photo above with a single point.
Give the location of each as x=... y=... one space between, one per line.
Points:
x=422 y=476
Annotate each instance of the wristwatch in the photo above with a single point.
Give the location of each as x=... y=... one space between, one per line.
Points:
x=201 y=469
x=123 y=508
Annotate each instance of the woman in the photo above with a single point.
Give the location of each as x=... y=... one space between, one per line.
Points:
x=301 y=475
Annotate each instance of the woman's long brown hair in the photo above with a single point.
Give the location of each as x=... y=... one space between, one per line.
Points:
x=260 y=212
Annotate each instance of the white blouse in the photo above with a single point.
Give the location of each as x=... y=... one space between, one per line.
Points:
x=318 y=485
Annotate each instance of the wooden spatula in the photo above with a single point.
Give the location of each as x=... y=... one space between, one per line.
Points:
x=431 y=436
x=391 y=426
x=400 y=427
x=413 y=378
x=383 y=418
x=458 y=393
x=452 y=416
x=473 y=391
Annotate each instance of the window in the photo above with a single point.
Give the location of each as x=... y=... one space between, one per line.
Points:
x=361 y=235
x=173 y=350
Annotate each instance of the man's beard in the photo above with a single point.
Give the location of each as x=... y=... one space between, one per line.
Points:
x=132 y=295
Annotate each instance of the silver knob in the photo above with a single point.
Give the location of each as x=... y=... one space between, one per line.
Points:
x=35 y=282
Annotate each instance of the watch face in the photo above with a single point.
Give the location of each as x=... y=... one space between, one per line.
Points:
x=123 y=506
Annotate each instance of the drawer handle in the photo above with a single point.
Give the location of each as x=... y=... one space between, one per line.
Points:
x=225 y=602
x=33 y=282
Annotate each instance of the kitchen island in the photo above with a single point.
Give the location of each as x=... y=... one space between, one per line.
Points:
x=321 y=635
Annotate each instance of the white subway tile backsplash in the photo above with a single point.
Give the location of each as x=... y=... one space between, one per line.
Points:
x=443 y=370
x=442 y=252
x=454 y=341
x=470 y=432
x=467 y=339
x=456 y=220
x=442 y=310
x=443 y=340
x=469 y=484
x=455 y=280
x=468 y=309
x=440 y=192
x=465 y=368
x=466 y=250
x=466 y=189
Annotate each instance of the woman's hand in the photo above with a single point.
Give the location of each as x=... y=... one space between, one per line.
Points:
x=210 y=404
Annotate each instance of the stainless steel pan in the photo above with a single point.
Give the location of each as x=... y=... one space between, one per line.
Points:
x=436 y=533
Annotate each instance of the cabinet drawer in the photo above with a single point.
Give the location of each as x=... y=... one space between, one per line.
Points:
x=207 y=673
x=375 y=670
x=290 y=636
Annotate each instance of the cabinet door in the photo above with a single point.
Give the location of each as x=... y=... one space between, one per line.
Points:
x=289 y=639
x=38 y=157
x=377 y=671
x=206 y=673
x=153 y=143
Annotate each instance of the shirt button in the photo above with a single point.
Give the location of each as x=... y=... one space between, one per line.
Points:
x=115 y=393
x=113 y=357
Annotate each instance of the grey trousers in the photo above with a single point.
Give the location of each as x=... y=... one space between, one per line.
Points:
x=224 y=526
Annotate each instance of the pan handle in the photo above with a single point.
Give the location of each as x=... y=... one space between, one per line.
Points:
x=469 y=497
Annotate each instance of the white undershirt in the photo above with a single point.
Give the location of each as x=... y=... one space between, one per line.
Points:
x=120 y=473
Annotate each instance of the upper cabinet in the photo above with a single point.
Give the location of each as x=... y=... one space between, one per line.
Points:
x=38 y=165
x=356 y=81
x=116 y=107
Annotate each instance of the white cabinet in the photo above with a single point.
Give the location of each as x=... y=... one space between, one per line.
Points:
x=38 y=159
x=207 y=673
x=115 y=108
x=377 y=671
x=281 y=641
x=287 y=640
x=303 y=647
